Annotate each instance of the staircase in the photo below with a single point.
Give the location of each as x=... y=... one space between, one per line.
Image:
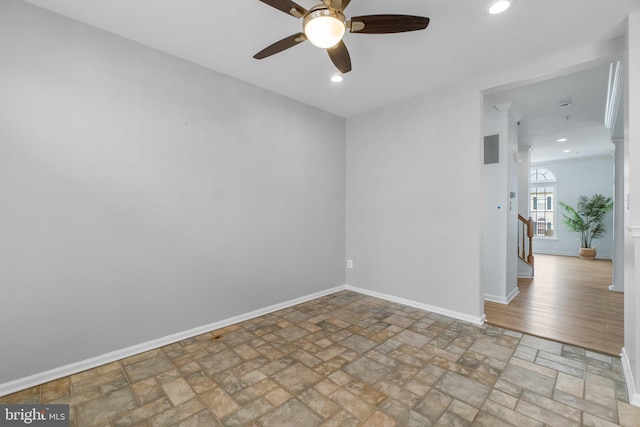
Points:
x=525 y=242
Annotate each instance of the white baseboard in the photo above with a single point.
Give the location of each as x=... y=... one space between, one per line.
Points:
x=502 y=300
x=445 y=312
x=74 y=368
x=495 y=298
x=634 y=393
x=571 y=254
x=513 y=294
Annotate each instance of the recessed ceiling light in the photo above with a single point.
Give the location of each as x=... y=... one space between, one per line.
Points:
x=499 y=7
x=562 y=140
x=566 y=151
x=336 y=78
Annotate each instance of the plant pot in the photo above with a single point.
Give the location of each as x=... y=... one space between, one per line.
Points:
x=587 y=253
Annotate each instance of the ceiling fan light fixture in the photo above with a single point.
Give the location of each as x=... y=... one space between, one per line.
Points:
x=337 y=78
x=324 y=28
x=499 y=6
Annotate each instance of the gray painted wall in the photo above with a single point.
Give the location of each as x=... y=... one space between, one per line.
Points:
x=413 y=219
x=96 y=253
x=500 y=211
x=576 y=177
x=143 y=195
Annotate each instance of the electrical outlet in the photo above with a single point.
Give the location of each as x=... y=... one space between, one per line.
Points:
x=349 y=263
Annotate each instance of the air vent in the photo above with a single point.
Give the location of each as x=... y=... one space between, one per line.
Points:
x=491 y=149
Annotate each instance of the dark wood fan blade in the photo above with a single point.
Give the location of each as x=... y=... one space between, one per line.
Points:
x=345 y=3
x=387 y=24
x=340 y=57
x=281 y=45
x=287 y=6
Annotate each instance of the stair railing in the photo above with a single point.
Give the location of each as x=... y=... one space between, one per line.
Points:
x=525 y=240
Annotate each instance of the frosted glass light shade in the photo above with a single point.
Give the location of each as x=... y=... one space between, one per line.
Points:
x=499 y=7
x=324 y=31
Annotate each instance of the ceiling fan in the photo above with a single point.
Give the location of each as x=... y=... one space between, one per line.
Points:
x=324 y=26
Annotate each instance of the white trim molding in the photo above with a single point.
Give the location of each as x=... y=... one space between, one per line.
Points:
x=628 y=363
x=500 y=299
x=74 y=368
x=571 y=254
x=634 y=230
x=634 y=393
x=438 y=310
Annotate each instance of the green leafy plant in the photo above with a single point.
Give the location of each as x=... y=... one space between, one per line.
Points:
x=587 y=217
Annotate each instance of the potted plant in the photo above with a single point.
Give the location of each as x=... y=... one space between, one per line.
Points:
x=587 y=219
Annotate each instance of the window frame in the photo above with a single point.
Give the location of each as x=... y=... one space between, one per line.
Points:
x=542 y=177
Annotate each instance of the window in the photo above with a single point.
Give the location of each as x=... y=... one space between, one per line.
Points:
x=542 y=226
x=542 y=198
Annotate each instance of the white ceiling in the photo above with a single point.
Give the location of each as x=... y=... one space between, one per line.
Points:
x=542 y=122
x=461 y=42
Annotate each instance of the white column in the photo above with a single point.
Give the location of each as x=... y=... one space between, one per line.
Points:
x=500 y=250
x=631 y=350
x=618 y=218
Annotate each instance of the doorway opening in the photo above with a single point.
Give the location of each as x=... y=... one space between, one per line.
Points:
x=566 y=129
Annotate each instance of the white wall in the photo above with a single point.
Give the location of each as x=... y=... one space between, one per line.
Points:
x=523 y=181
x=513 y=203
x=576 y=177
x=143 y=195
x=495 y=211
x=120 y=223
x=631 y=360
x=524 y=269
x=619 y=213
x=413 y=219
x=500 y=211
x=495 y=217
x=414 y=187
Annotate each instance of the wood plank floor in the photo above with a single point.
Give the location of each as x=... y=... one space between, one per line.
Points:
x=569 y=301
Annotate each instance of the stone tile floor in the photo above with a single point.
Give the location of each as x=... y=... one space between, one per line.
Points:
x=349 y=360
